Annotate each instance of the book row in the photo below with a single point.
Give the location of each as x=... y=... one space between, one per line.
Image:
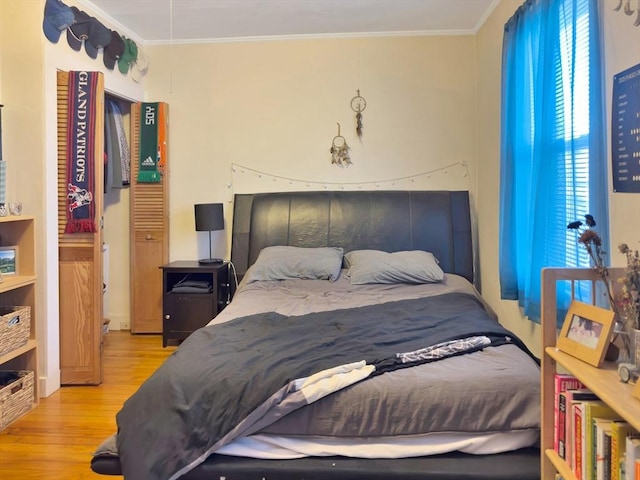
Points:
x=594 y=441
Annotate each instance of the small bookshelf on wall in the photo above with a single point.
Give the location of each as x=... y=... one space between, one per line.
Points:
x=18 y=335
x=611 y=400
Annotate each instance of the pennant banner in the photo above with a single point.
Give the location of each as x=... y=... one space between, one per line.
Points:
x=81 y=109
x=151 y=130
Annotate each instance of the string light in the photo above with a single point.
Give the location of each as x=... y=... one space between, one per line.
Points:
x=393 y=181
x=235 y=168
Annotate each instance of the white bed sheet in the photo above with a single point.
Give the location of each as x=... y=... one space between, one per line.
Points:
x=279 y=447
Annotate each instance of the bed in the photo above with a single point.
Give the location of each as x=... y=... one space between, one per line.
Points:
x=356 y=347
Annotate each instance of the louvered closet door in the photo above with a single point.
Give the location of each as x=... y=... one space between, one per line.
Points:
x=149 y=238
x=80 y=261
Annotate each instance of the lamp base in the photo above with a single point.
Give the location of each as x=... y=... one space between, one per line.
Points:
x=209 y=261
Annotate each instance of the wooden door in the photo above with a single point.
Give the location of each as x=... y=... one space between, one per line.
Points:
x=149 y=237
x=80 y=258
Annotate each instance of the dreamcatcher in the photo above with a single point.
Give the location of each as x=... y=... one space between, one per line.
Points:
x=628 y=10
x=358 y=104
x=340 y=151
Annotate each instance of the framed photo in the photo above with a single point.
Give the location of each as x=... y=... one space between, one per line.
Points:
x=8 y=261
x=586 y=332
x=636 y=390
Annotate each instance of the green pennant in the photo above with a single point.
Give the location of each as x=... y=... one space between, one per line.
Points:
x=148 y=159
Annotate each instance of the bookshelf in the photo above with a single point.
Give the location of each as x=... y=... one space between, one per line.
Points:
x=603 y=381
x=19 y=289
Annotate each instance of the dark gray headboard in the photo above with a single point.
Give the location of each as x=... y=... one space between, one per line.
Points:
x=435 y=221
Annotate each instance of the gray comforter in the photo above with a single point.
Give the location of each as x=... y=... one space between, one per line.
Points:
x=236 y=378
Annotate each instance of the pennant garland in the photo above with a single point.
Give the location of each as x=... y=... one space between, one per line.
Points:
x=81 y=111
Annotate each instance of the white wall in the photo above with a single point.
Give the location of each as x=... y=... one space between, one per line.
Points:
x=23 y=129
x=622 y=50
x=274 y=107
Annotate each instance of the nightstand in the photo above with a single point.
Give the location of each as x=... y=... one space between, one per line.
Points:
x=192 y=295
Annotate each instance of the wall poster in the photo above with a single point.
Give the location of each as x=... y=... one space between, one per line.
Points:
x=625 y=131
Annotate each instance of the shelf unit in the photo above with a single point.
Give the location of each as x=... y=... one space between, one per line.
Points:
x=20 y=290
x=603 y=381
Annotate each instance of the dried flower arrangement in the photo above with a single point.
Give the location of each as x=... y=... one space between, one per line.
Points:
x=593 y=245
x=629 y=300
x=627 y=304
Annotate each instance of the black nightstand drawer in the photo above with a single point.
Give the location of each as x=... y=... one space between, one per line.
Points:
x=185 y=313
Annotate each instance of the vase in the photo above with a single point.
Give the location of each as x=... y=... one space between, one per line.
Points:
x=634 y=346
x=613 y=353
x=628 y=343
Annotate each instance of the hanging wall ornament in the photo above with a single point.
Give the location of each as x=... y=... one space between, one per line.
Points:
x=627 y=8
x=358 y=104
x=340 y=151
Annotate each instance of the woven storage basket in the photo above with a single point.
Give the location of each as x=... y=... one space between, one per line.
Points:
x=15 y=325
x=16 y=395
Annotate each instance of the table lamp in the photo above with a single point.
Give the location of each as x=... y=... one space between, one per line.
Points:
x=209 y=217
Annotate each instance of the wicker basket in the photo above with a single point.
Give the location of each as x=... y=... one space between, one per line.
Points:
x=16 y=395
x=15 y=325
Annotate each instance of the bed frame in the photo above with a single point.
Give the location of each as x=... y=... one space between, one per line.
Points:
x=436 y=221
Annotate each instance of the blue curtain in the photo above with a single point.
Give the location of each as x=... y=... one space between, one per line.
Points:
x=553 y=160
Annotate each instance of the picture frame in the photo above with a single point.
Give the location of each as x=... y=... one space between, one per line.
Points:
x=8 y=261
x=636 y=390
x=586 y=332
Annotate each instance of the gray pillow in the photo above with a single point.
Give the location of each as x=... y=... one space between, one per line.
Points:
x=375 y=266
x=285 y=263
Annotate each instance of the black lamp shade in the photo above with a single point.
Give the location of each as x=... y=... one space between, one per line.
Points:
x=209 y=217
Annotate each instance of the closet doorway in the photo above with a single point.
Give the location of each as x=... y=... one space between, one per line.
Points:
x=116 y=213
x=80 y=253
x=112 y=274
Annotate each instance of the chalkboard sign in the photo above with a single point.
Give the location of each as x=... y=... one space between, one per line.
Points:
x=625 y=131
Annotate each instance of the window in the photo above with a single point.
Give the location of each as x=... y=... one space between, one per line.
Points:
x=553 y=160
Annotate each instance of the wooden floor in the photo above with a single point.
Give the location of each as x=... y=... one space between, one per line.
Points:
x=55 y=441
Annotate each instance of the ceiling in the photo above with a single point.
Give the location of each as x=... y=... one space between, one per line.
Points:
x=194 y=21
